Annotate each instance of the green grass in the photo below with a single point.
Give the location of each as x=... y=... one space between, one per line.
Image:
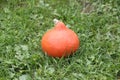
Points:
x=23 y=22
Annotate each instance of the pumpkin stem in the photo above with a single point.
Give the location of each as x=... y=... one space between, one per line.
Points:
x=55 y=21
x=59 y=25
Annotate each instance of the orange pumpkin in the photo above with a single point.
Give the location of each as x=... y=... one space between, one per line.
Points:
x=60 y=41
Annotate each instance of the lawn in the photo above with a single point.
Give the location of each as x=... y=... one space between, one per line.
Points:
x=23 y=23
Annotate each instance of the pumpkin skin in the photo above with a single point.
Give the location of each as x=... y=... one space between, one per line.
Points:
x=60 y=41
